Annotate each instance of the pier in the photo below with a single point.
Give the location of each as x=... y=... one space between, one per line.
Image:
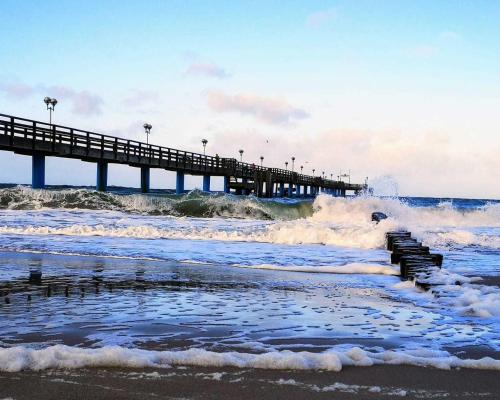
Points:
x=40 y=140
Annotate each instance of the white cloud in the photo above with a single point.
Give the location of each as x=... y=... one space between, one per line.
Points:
x=423 y=51
x=207 y=69
x=17 y=91
x=449 y=35
x=319 y=18
x=82 y=102
x=137 y=98
x=269 y=110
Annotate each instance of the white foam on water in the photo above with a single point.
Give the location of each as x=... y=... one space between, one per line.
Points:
x=351 y=268
x=20 y=358
x=335 y=221
x=464 y=295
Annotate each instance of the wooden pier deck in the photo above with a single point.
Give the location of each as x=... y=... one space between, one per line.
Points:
x=40 y=139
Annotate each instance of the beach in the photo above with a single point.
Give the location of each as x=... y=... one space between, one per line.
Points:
x=111 y=301
x=379 y=382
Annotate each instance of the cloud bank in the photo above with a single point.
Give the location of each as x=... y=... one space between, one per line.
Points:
x=427 y=164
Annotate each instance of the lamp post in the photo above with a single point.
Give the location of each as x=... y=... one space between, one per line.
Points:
x=293 y=163
x=301 y=168
x=313 y=171
x=204 y=143
x=241 y=154
x=261 y=160
x=51 y=105
x=331 y=177
x=286 y=165
x=147 y=129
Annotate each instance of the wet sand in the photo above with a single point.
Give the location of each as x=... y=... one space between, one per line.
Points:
x=217 y=301
x=378 y=382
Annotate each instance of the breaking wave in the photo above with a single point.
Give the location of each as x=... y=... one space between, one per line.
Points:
x=192 y=204
x=328 y=220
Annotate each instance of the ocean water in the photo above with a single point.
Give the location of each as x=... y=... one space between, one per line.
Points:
x=199 y=279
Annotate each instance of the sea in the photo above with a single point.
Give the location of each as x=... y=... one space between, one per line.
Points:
x=154 y=280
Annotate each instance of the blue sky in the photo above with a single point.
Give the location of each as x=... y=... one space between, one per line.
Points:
x=399 y=91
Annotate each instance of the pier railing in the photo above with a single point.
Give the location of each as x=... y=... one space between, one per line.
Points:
x=27 y=136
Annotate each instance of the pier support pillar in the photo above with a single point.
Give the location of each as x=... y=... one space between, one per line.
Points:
x=145 y=179
x=342 y=192
x=226 y=185
x=102 y=176
x=297 y=190
x=206 y=183
x=282 y=189
x=244 y=191
x=290 y=190
x=38 y=171
x=179 y=183
x=305 y=190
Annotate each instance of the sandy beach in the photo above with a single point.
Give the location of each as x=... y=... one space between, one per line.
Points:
x=378 y=382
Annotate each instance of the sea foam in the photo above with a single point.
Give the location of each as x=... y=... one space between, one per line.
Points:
x=20 y=358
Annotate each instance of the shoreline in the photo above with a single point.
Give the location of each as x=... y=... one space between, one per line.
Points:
x=387 y=382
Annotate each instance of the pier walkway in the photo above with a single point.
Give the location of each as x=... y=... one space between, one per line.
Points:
x=40 y=140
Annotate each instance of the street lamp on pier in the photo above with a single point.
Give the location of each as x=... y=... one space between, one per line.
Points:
x=147 y=129
x=241 y=154
x=286 y=165
x=204 y=143
x=301 y=168
x=261 y=160
x=51 y=105
x=293 y=163
x=313 y=171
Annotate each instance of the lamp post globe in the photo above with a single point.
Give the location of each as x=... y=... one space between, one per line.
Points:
x=147 y=128
x=51 y=105
x=241 y=154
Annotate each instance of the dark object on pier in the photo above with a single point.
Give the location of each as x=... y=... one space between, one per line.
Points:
x=378 y=216
x=416 y=262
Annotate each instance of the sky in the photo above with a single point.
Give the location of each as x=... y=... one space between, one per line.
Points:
x=406 y=93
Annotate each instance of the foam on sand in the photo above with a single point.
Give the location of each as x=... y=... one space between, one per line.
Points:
x=20 y=358
x=351 y=268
